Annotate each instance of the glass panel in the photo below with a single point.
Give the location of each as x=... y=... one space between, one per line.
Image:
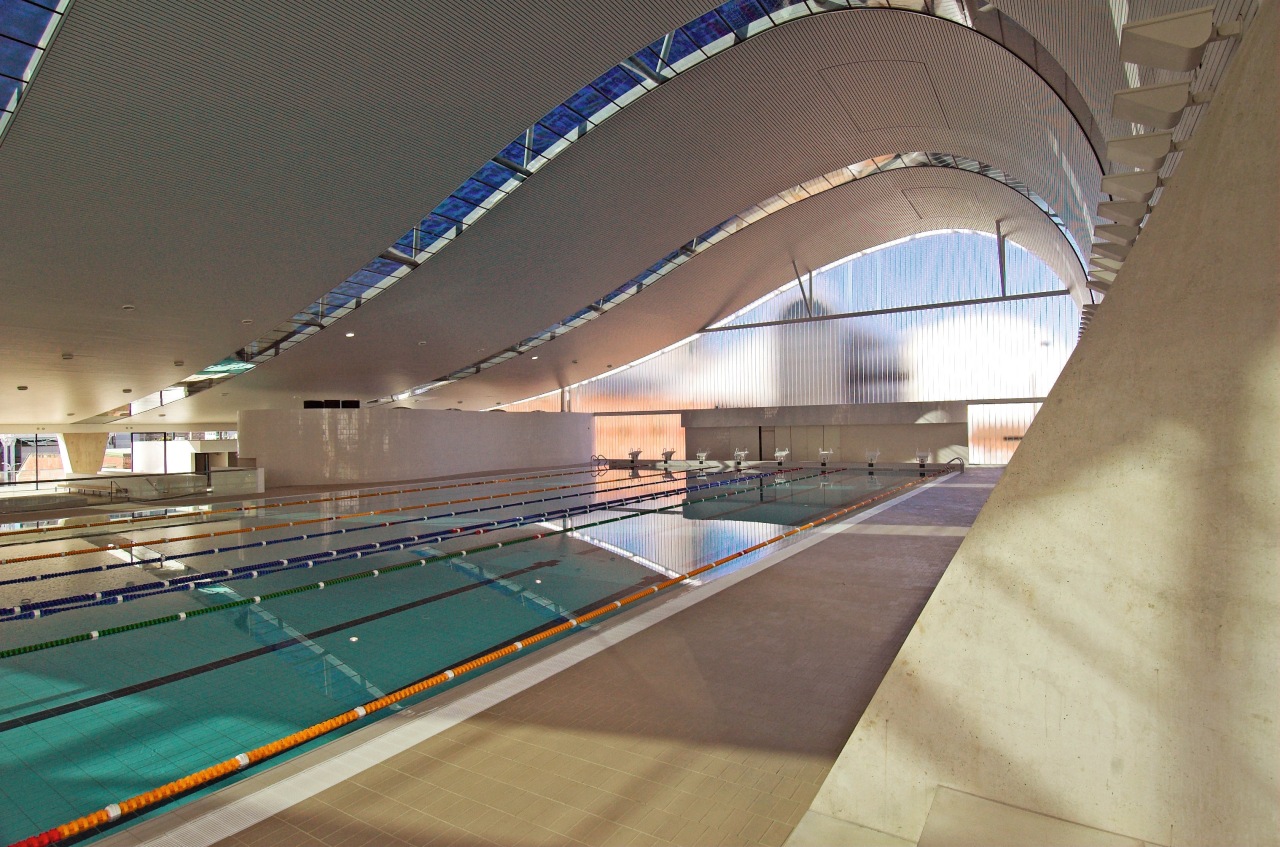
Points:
x=495 y=175
x=615 y=83
x=9 y=89
x=454 y=209
x=385 y=267
x=740 y=14
x=587 y=102
x=24 y=21
x=543 y=139
x=707 y=29
x=563 y=121
x=516 y=151
x=476 y=193
x=435 y=226
x=14 y=57
x=366 y=278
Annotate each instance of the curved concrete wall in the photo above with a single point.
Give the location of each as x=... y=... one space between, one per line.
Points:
x=1104 y=647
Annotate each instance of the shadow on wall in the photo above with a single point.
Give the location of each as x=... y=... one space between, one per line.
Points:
x=838 y=359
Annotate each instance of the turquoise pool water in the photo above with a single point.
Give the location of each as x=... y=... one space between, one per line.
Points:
x=93 y=722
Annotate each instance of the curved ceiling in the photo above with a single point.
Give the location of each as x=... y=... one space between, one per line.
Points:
x=750 y=263
x=215 y=162
x=698 y=149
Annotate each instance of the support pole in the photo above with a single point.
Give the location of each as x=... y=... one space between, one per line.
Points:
x=1000 y=255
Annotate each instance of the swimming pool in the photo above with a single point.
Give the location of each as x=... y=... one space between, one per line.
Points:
x=136 y=652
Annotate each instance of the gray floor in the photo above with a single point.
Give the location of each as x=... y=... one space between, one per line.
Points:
x=715 y=726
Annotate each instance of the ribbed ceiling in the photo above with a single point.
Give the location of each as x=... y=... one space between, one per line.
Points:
x=207 y=177
x=210 y=162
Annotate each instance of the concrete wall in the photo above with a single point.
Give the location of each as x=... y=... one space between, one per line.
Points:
x=316 y=446
x=82 y=452
x=1104 y=647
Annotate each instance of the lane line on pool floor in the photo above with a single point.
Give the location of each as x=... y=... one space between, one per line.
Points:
x=211 y=819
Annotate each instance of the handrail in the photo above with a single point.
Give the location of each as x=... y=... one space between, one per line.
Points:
x=955 y=459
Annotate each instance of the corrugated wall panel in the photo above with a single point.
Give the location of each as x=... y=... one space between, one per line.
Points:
x=996 y=430
x=618 y=435
x=1008 y=349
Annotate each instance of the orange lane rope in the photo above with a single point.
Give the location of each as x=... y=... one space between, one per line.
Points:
x=128 y=545
x=115 y=811
x=327 y=499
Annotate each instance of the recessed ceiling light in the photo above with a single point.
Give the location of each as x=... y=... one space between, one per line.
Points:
x=128 y=307
x=353 y=638
x=422 y=344
x=351 y=335
x=224 y=394
x=162 y=415
x=71 y=414
x=533 y=357
x=246 y=320
x=66 y=357
x=22 y=388
x=127 y=390
x=177 y=363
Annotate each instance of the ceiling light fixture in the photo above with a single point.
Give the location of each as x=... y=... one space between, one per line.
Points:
x=22 y=388
x=351 y=335
x=128 y=307
x=246 y=320
x=534 y=358
x=127 y=390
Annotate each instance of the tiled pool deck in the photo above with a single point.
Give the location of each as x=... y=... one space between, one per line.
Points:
x=707 y=725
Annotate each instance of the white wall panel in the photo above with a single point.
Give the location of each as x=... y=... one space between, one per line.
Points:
x=315 y=446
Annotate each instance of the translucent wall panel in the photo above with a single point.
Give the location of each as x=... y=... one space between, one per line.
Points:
x=931 y=268
x=617 y=435
x=996 y=350
x=992 y=351
x=996 y=430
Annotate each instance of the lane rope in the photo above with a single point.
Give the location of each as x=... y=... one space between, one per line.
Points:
x=357 y=494
x=289 y=524
x=112 y=596
x=372 y=573
x=115 y=811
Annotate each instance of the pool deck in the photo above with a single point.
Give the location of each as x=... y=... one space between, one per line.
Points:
x=711 y=717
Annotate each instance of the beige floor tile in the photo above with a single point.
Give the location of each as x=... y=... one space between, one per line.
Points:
x=611 y=751
x=776 y=834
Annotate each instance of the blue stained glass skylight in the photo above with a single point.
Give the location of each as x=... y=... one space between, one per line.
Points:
x=27 y=28
x=707 y=30
x=25 y=21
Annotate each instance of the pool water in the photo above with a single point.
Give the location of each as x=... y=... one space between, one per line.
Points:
x=94 y=721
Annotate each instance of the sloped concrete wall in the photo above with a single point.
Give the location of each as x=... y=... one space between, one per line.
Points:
x=1104 y=647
